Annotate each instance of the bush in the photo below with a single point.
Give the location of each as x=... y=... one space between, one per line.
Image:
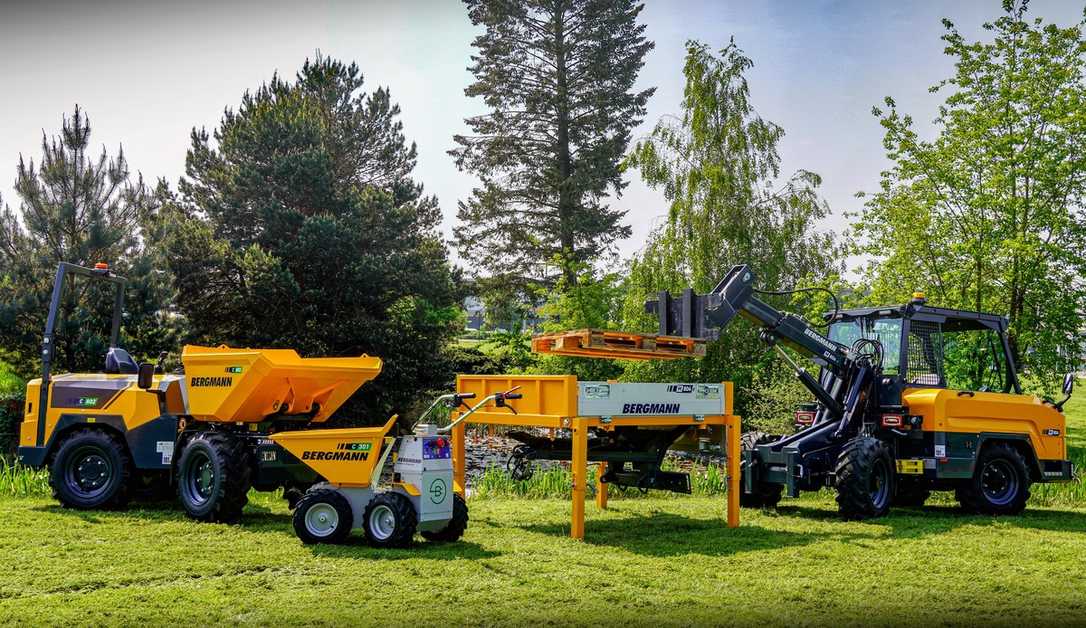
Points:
x=12 y=397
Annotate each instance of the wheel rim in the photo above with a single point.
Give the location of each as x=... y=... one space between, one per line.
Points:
x=321 y=520
x=88 y=472
x=880 y=484
x=382 y=522
x=999 y=481
x=200 y=479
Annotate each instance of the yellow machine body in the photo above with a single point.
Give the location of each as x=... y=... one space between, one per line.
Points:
x=97 y=398
x=344 y=457
x=979 y=413
x=246 y=385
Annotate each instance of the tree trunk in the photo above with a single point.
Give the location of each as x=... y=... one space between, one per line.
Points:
x=566 y=201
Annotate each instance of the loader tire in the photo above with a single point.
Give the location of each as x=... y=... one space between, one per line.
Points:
x=1000 y=484
x=456 y=526
x=865 y=479
x=323 y=516
x=91 y=469
x=911 y=493
x=214 y=475
x=390 y=521
x=765 y=495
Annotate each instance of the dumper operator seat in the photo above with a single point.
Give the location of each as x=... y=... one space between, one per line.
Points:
x=119 y=362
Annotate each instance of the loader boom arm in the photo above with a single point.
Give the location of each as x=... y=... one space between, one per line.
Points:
x=734 y=295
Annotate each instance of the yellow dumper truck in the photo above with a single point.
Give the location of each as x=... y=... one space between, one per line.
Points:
x=231 y=422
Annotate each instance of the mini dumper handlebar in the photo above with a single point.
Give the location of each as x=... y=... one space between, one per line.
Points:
x=457 y=399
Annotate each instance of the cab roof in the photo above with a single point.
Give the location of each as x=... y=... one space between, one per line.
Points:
x=950 y=319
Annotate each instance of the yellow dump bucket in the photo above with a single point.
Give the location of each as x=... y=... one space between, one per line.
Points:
x=345 y=457
x=247 y=385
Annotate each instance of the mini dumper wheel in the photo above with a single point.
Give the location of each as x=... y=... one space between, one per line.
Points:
x=323 y=516
x=454 y=529
x=390 y=521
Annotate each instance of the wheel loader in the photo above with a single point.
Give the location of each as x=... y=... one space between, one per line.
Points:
x=910 y=399
x=232 y=421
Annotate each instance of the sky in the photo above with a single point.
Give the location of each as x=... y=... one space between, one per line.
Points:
x=148 y=72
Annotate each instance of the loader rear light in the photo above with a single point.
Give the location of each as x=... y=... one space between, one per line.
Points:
x=101 y=266
x=805 y=417
x=893 y=420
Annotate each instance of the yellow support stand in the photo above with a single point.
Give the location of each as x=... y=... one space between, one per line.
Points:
x=550 y=402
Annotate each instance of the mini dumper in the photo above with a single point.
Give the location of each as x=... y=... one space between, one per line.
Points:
x=420 y=497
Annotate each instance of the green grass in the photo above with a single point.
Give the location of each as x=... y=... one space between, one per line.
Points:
x=646 y=561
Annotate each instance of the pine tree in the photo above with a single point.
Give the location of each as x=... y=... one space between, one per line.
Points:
x=80 y=208
x=298 y=225
x=557 y=77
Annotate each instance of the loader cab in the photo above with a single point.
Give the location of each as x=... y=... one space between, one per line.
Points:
x=924 y=346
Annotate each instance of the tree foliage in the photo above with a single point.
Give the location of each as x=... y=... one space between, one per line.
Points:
x=989 y=215
x=718 y=167
x=78 y=207
x=298 y=225
x=557 y=77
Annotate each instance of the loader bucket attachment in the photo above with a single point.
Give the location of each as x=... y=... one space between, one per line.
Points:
x=345 y=457
x=224 y=384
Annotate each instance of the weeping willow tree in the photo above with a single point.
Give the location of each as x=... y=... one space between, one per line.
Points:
x=718 y=166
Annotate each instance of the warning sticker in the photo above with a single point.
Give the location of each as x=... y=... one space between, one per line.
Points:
x=165 y=447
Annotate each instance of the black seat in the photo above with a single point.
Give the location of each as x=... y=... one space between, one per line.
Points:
x=119 y=362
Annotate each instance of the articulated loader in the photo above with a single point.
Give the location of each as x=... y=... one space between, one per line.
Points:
x=231 y=421
x=910 y=399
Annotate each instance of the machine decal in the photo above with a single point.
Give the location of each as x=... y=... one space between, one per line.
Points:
x=355 y=446
x=88 y=395
x=438 y=490
x=221 y=382
x=680 y=388
x=1052 y=432
x=650 y=408
x=336 y=455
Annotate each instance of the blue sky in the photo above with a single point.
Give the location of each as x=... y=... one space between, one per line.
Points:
x=147 y=72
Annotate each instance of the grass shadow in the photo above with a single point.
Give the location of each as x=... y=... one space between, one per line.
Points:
x=664 y=535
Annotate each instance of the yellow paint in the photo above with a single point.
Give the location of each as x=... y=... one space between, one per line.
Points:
x=911 y=467
x=409 y=488
x=338 y=454
x=248 y=385
x=946 y=411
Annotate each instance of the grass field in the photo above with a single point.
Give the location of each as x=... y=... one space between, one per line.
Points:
x=657 y=560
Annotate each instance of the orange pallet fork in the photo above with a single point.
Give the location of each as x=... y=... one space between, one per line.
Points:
x=599 y=343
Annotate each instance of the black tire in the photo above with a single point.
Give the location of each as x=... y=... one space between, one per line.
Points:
x=214 y=475
x=865 y=479
x=323 y=516
x=765 y=495
x=390 y=521
x=91 y=469
x=1000 y=485
x=911 y=493
x=456 y=526
x=293 y=495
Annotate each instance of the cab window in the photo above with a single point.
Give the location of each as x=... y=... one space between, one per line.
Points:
x=886 y=330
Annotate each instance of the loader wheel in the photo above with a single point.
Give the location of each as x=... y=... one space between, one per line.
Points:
x=765 y=495
x=865 y=479
x=213 y=477
x=390 y=521
x=456 y=526
x=323 y=516
x=91 y=469
x=1000 y=484
x=911 y=493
